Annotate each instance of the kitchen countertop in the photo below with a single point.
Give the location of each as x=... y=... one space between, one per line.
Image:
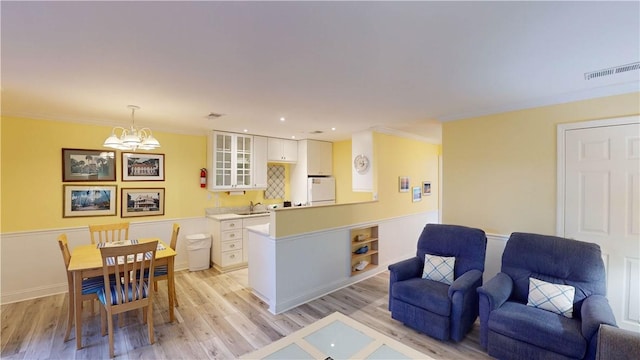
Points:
x=232 y=216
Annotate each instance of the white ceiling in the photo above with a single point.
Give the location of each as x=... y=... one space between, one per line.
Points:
x=350 y=65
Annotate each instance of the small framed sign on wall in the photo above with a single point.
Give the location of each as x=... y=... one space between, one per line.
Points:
x=417 y=193
x=426 y=188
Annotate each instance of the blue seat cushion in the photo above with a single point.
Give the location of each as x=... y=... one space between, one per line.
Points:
x=160 y=270
x=92 y=285
x=102 y=294
x=539 y=327
x=423 y=293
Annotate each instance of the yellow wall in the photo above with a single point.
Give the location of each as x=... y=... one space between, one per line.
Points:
x=393 y=157
x=499 y=171
x=342 y=173
x=32 y=191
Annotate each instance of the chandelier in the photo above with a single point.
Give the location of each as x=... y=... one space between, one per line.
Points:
x=132 y=138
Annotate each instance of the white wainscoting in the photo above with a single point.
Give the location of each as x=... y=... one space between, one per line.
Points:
x=493 y=260
x=32 y=266
x=315 y=264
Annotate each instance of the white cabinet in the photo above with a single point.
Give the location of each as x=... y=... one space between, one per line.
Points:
x=245 y=233
x=231 y=158
x=260 y=148
x=229 y=249
x=319 y=158
x=283 y=150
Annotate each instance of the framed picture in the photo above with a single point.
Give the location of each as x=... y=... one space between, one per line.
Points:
x=417 y=193
x=426 y=188
x=89 y=200
x=142 y=202
x=88 y=165
x=142 y=167
x=403 y=183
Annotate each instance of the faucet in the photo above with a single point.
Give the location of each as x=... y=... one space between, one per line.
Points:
x=252 y=206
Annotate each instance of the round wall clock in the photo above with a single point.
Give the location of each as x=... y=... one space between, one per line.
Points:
x=361 y=163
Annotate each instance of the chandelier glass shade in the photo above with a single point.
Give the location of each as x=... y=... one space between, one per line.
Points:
x=132 y=138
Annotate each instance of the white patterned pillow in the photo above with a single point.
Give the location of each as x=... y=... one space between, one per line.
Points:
x=552 y=297
x=438 y=268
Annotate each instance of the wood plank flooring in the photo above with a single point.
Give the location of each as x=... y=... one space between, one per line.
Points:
x=218 y=318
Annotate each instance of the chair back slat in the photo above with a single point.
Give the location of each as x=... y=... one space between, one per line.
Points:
x=174 y=236
x=133 y=266
x=109 y=232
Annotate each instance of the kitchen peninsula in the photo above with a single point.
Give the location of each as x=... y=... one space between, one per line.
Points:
x=306 y=252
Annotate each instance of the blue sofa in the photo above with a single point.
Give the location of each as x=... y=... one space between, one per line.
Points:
x=510 y=329
x=439 y=310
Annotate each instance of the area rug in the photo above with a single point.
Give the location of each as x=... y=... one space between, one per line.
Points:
x=336 y=337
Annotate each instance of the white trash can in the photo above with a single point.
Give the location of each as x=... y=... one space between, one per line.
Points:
x=199 y=246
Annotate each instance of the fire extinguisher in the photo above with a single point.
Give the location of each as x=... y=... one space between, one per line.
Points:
x=203 y=178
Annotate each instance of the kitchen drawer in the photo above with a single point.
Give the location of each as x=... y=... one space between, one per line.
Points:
x=232 y=235
x=231 y=257
x=231 y=225
x=231 y=245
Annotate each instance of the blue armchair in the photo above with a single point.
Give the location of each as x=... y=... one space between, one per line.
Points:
x=510 y=329
x=432 y=307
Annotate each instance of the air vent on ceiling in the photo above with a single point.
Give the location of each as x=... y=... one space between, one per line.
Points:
x=316 y=132
x=611 y=71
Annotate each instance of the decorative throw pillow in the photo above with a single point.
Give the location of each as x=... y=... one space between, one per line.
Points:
x=552 y=297
x=438 y=268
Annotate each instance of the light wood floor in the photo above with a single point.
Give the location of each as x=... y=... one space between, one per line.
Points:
x=218 y=318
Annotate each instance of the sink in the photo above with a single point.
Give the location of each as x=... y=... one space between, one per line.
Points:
x=252 y=213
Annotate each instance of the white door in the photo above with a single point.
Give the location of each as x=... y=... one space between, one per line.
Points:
x=602 y=205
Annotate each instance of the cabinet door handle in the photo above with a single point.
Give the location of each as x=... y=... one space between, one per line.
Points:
x=232 y=246
x=233 y=256
x=232 y=225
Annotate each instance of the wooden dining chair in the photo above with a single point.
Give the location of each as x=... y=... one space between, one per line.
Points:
x=109 y=232
x=90 y=286
x=128 y=263
x=162 y=272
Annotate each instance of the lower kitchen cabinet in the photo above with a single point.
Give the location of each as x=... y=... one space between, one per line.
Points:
x=229 y=247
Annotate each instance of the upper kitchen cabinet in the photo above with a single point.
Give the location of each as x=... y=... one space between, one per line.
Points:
x=319 y=158
x=231 y=159
x=283 y=150
x=260 y=149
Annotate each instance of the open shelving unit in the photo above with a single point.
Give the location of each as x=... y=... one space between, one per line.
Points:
x=364 y=236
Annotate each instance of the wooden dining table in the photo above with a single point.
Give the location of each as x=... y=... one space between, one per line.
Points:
x=86 y=261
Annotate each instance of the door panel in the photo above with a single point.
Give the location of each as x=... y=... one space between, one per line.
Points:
x=602 y=197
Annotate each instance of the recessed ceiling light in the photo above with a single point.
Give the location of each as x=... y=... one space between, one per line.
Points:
x=293 y=136
x=282 y=119
x=245 y=130
x=333 y=129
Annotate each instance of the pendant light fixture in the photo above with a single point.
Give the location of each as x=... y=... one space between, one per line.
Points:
x=132 y=138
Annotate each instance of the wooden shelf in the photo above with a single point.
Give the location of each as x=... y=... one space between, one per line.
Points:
x=367 y=268
x=370 y=235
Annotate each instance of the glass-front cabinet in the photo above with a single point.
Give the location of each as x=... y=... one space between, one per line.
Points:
x=232 y=161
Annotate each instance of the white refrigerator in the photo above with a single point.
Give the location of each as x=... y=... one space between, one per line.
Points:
x=321 y=190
